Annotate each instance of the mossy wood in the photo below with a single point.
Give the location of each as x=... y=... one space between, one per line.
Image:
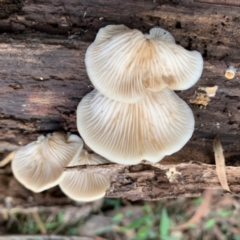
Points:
x=43 y=78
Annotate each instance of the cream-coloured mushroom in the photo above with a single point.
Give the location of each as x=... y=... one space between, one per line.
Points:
x=39 y=165
x=159 y=33
x=156 y=126
x=85 y=186
x=230 y=72
x=123 y=64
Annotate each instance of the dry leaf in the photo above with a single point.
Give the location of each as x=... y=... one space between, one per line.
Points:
x=39 y=222
x=201 y=212
x=220 y=163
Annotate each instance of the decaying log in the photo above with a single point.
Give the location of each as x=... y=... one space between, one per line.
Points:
x=155 y=181
x=43 y=78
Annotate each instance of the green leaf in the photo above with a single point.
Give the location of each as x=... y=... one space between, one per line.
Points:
x=143 y=233
x=225 y=213
x=103 y=230
x=116 y=203
x=150 y=221
x=129 y=212
x=60 y=217
x=148 y=209
x=236 y=237
x=192 y=225
x=137 y=223
x=210 y=223
x=164 y=224
x=198 y=201
x=117 y=218
x=51 y=225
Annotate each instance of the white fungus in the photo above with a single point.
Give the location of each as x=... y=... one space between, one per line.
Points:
x=39 y=165
x=81 y=186
x=123 y=64
x=158 y=125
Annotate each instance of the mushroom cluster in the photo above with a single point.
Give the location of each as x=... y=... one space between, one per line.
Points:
x=40 y=166
x=133 y=114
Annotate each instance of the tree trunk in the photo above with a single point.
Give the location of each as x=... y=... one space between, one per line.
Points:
x=43 y=78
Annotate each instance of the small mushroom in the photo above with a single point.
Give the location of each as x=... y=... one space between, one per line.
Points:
x=39 y=165
x=123 y=64
x=230 y=72
x=158 y=125
x=85 y=186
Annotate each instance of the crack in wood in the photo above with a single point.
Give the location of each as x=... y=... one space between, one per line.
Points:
x=230 y=3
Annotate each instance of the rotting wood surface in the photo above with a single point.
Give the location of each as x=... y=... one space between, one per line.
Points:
x=43 y=77
x=155 y=181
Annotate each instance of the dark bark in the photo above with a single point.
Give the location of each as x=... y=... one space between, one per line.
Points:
x=43 y=77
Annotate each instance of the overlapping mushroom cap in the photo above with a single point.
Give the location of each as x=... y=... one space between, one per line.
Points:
x=123 y=63
x=85 y=186
x=158 y=125
x=39 y=165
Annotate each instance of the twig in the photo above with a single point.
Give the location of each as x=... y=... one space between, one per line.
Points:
x=201 y=212
x=7 y=159
x=217 y=232
x=38 y=221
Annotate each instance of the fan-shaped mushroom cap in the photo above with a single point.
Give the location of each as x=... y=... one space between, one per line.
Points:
x=123 y=63
x=160 y=34
x=39 y=165
x=156 y=126
x=85 y=186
